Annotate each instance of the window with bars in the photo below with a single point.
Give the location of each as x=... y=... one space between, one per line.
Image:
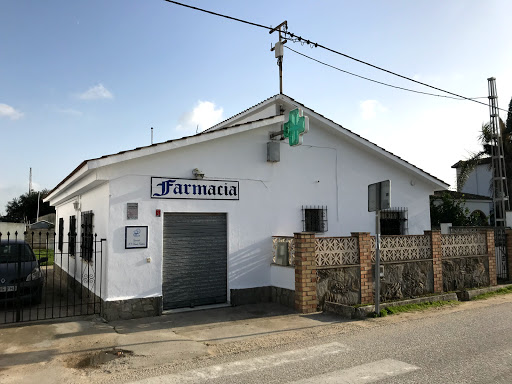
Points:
x=393 y=221
x=86 y=245
x=61 y=233
x=314 y=219
x=72 y=235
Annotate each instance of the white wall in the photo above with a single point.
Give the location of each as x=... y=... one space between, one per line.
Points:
x=328 y=170
x=95 y=200
x=324 y=171
x=8 y=231
x=478 y=181
x=478 y=205
x=282 y=277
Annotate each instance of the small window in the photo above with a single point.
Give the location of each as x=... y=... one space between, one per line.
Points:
x=61 y=233
x=87 y=244
x=72 y=235
x=314 y=219
x=393 y=221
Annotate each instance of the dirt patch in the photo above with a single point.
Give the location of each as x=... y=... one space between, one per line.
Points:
x=93 y=360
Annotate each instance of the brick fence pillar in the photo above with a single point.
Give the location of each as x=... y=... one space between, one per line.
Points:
x=305 y=272
x=491 y=253
x=365 y=262
x=508 y=233
x=437 y=259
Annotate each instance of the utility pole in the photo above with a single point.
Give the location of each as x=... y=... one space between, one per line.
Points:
x=499 y=175
x=30 y=181
x=278 y=48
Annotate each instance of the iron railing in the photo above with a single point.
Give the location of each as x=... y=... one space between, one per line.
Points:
x=49 y=278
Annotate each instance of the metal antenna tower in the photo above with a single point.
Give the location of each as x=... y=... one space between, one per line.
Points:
x=278 y=48
x=499 y=175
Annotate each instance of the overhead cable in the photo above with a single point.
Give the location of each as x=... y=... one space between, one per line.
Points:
x=372 y=80
x=295 y=38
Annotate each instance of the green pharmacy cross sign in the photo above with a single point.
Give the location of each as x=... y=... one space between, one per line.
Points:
x=296 y=126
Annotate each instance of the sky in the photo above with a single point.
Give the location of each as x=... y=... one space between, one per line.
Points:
x=82 y=79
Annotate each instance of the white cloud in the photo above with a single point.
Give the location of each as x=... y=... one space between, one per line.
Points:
x=204 y=115
x=10 y=112
x=70 y=111
x=369 y=109
x=96 y=92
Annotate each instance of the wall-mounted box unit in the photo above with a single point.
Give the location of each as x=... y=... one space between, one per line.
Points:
x=282 y=253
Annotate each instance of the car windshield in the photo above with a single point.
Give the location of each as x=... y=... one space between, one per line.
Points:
x=11 y=253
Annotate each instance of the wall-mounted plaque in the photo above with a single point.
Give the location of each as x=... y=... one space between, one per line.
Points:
x=135 y=237
x=132 y=211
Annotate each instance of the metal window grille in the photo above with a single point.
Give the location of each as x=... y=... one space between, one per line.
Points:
x=87 y=236
x=314 y=219
x=61 y=233
x=72 y=236
x=394 y=221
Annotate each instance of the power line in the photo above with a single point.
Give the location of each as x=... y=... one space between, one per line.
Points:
x=295 y=38
x=372 y=80
x=219 y=14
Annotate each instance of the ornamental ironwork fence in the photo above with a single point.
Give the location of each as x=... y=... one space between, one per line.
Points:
x=44 y=278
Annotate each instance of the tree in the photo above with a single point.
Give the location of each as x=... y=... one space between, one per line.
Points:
x=508 y=124
x=485 y=138
x=447 y=209
x=23 y=209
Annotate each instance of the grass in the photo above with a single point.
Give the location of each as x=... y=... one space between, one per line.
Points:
x=49 y=253
x=501 y=291
x=413 y=307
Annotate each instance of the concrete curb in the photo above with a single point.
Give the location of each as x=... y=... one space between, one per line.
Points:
x=470 y=294
x=351 y=312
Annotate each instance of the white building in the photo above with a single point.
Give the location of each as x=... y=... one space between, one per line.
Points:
x=479 y=180
x=208 y=239
x=476 y=190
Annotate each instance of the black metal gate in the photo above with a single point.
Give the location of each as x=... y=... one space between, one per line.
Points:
x=500 y=243
x=41 y=278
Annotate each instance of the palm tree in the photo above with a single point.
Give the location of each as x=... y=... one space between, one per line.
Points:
x=485 y=138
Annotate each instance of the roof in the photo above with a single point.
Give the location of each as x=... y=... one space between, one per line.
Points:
x=463 y=195
x=225 y=125
x=485 y=160
x=42 y=224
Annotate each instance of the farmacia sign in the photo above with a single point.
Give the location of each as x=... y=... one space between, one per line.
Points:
x=171 y=188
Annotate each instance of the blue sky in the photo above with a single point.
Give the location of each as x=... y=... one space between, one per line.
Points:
x=81 y=79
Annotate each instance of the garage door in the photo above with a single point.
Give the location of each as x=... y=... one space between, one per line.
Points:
x=194 y=259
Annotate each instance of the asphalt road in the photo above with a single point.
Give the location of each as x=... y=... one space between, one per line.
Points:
x=469 y=345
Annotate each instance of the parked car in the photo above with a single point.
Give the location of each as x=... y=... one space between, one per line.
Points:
x=21 y=277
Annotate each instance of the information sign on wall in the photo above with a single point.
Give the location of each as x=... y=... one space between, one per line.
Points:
x=135 y=237
x=172 y=188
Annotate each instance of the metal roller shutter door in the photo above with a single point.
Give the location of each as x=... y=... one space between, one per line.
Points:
x=194 y=259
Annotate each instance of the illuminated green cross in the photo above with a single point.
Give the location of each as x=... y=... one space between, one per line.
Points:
x=296 y=126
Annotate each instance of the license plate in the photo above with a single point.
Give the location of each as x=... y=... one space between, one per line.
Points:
x=8 y=288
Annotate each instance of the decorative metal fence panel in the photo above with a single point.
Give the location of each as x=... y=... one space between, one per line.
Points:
x=41 y=278
x=291 y=248
x=464 y=244
x=500 y=247
x=403 y=248
x=336 y=251
x=500 y=244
